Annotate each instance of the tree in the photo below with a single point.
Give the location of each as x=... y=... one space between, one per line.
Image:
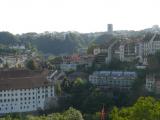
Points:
x=78 y=82
x=66 y=85
x=72 y=114
x=91 y=48
x=146 y=108
x=31 y=64
x=58 y=89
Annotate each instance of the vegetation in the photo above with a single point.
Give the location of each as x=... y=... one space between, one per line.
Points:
x=146 y=108
x=70 y=114
x=31 y=64
x=57 y=43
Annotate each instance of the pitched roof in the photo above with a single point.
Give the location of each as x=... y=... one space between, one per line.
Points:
x=22 y=79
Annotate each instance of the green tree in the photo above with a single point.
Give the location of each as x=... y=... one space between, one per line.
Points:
x=31 y=64
x=66 y=85
x=72 y=114
x=146 y=108
x=91 y=48
x=58 y=89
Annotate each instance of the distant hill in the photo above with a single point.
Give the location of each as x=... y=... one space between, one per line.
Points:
x=58 y=43
x=49 y=42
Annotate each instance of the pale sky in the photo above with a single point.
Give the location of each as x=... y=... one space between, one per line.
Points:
x=21 y=16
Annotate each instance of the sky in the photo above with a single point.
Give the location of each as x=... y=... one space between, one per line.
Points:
x=21 y=16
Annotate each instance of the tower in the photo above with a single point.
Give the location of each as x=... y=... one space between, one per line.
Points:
x=110 y=28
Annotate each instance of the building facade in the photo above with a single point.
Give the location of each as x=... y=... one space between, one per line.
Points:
x=113 y=79
x=153 y=83
x=21 y=92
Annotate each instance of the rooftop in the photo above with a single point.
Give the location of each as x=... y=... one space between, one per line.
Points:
x=22 y=79
x=116 y=73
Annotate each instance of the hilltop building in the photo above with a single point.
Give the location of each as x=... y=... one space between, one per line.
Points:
x=110 y=28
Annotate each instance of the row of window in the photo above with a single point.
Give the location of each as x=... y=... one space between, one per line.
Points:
x=25 y=98
x=32 y=89
x=33 y=93
x=22 y=107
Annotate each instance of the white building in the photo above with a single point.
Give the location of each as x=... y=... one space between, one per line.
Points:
x=153 y=83
x=113 y=79
x=150 y=82
x=128 y=51
x=21 y=91
x=20 y=47
x=150 y=47
x=98 y=50
x=68 y=67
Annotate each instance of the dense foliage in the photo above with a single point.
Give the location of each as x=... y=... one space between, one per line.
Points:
x=146 y=108
x=70 y=114
x=57 y=43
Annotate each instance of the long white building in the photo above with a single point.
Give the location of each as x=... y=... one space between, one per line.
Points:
x=22 y=91
x=113 y=79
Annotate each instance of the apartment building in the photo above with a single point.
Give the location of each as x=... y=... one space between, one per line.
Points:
x=113 y=79
x=128 y=51
x=153 y=83
x=149 y=46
